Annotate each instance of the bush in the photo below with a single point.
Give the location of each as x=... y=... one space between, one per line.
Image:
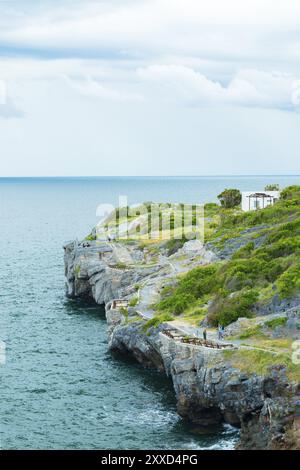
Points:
x=174 y=245
x=230 y=198
x=254 y=331
x=211 y=209
x=156 y=321
x=124 y=312
x=272 y=187
x=229 y=289
x=276 y=322
x=192 y=286
x=291 y=192
x=244 y=252
x=226 y=310
x=289 y=282
x=91 y=237
x=133 y=302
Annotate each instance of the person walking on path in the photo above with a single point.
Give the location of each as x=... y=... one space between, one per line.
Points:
x=222 y=332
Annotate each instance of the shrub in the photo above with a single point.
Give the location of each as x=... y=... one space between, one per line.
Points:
x=230 y=198
x=77 y=270
x=244 y=251
x=192 y=286
x=133 y=302
x=174 y=245
x=91 y=237
x=211 y=209
x=120 y=265
x=289 y=282
x=291 y=192
x=281 y=321
x=254 y=331
x=154 y=322
x=226 y=310
x=124 y=312
x=272 y=187
x=259 y=362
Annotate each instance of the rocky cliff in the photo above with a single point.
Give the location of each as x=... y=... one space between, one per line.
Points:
x=208 y=384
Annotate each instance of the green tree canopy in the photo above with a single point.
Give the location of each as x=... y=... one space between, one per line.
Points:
x=272 y=187
x=230 y=198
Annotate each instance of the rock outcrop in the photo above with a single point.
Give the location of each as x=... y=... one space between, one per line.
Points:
x=210 y=390
x=208 y=387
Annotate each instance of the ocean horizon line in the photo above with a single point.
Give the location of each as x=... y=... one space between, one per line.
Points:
x=150 y=176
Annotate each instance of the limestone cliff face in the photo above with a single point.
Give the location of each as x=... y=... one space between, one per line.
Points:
x=209 y=390
x=95 y=270
x=207 y=386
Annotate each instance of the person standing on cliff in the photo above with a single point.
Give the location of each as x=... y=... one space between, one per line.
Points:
x=204 y=334
x=219 y=331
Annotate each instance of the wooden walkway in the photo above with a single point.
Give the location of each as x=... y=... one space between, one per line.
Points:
x=175 y=335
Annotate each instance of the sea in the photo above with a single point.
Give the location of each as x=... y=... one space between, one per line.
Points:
x=60 y=387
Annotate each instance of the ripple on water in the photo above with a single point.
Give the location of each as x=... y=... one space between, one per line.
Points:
x=61 y=389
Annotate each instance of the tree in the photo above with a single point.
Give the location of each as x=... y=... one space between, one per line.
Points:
x=230 y=198
x=272 y=187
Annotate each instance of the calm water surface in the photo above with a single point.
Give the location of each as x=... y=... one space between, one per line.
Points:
x=60 y=388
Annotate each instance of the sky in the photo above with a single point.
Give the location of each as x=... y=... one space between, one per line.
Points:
x=149 y=87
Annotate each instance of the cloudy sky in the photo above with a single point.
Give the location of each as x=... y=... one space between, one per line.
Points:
x=149 y=87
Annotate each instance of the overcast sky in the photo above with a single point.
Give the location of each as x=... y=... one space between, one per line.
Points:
x=149 y=87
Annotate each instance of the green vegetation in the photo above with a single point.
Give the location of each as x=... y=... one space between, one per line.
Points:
x=154 y=222
x=133 y=302
x=272 y=187
x=124 y=312
x=174 y=245
x=120 y=265
x=156 y=321
x=289 y=282
x=253 y=331
x=192 y=286
x=211 y=209
x=281 y=321
x=267 y=263
x=230 y=198
x=91 y=237
x=259 y=362
x=77 y=270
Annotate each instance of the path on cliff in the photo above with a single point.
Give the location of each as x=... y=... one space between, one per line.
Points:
x=212 y=335
x=149 y=293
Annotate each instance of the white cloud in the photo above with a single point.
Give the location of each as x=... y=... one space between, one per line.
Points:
x=3 y=92
x=7 y=107
x=219 y=29
x=246 y=88
x=92 y=88
x=112 y=67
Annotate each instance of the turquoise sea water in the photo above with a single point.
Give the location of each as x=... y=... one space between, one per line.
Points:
x=60 y=388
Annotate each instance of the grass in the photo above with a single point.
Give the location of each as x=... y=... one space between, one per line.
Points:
x=195 y=316
x=77 y=270
x=281 y=321
x=254 y=274
x=259 y=362
x=133 y=302
x=91 y=237
x=250 y=332
x=156 y=321
x=121 y=265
